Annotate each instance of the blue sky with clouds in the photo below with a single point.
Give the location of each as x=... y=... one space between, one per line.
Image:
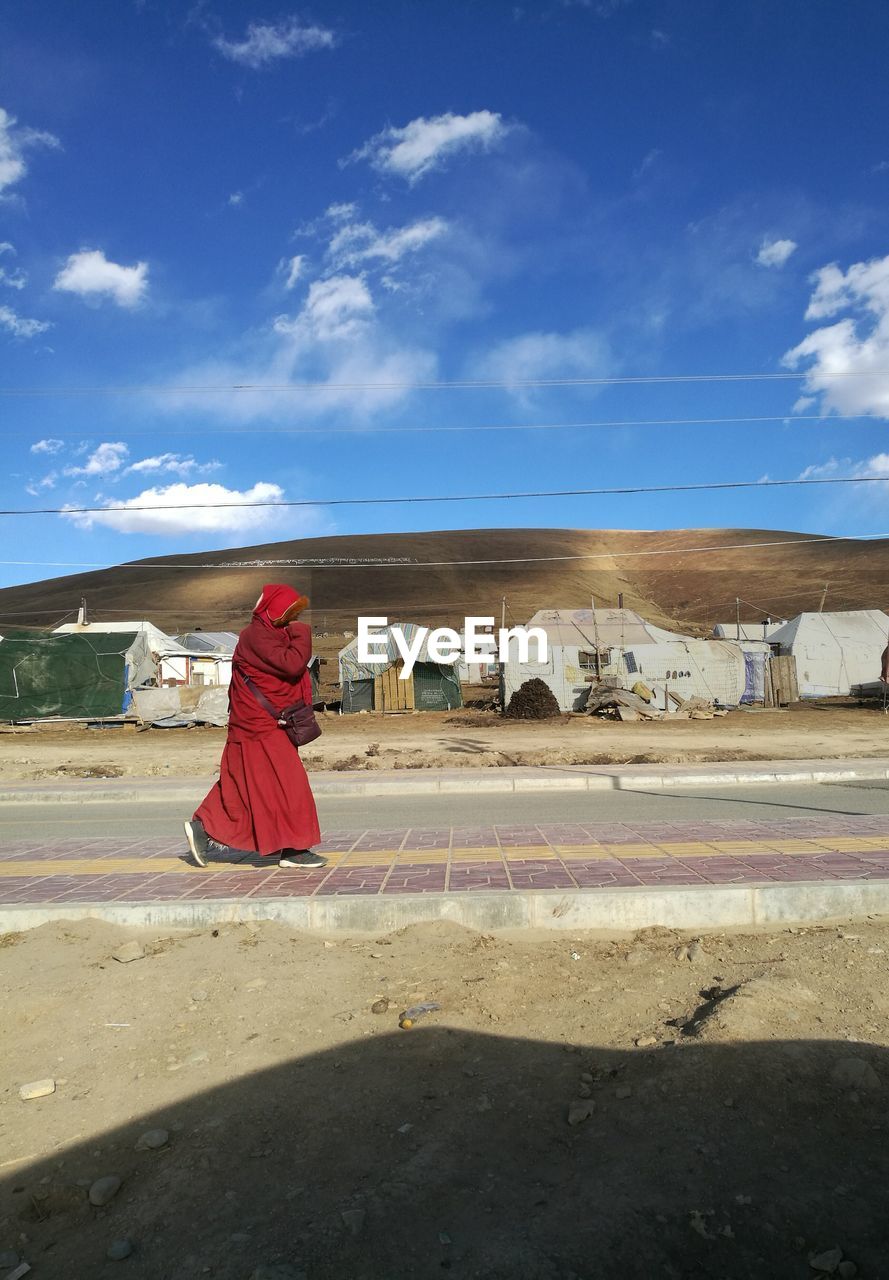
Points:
x=405 y=193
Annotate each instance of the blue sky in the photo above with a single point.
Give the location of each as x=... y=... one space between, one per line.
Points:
x=413 y=192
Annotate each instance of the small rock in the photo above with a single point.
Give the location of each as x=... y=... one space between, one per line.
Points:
x=484 y=1103
x=255 y=984
x=625 y=1092
x=847 y=1270
x=637 y=957
x=827 y=1262
x=37 y=1089
x=586 y=1077
x=104 y=1189
x=584 y=1090
x=854 y=1073
x=8 y=1258
x=153 y=1140
x=580 y=1109
x=444 y=1238
x=645 y=1042
x=405 y=1128
x=681 y=953
x=696 y=951
x=199 y=996
x=354 y=1220
x=380 y=1006
x=129 y=952
x=119 y=1249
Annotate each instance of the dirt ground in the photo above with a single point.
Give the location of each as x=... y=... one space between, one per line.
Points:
x=580 y=1107
x=468 y=738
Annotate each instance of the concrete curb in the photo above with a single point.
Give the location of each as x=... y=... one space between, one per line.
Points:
x=616 y=910
x=477 y=781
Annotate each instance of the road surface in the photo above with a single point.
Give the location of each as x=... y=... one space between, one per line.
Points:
x=360 y=813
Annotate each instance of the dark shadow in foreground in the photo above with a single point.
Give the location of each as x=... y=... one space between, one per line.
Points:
x=441 y=1152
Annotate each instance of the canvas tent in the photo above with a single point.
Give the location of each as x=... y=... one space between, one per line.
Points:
x=756 y=631
x=619 y=646
x=836 y=653
x=375 y=686
x=46 y=675
x=172 y=660
x=211 y=661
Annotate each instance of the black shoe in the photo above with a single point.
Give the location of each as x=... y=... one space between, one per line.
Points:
x=301 y=858
x=198 y=840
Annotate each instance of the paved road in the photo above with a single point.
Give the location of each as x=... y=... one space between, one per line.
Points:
x=20 y=821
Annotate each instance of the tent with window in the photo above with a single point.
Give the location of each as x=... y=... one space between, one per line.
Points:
x=621 y=648
x=431 y=686
x=836 y=653
x=71 y=677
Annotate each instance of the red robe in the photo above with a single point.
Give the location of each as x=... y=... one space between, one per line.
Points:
x=263 y=801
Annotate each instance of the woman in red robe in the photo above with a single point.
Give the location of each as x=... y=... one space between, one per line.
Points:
x=263 y=801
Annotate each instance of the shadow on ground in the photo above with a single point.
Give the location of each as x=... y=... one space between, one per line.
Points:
x=698 y=1160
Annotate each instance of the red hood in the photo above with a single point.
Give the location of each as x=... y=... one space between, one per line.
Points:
x=279 y=604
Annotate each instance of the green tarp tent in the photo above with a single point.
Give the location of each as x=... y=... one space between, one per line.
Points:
x=70 y=676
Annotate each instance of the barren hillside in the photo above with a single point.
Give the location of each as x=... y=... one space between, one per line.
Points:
x=662 y=574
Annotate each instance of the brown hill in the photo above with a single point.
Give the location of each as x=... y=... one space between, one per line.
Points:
x=440 y=577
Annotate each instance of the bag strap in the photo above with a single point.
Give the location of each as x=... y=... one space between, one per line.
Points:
x=260 y=697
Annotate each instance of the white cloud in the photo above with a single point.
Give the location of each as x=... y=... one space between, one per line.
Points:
x=424 y=144
x=109 y=457
x=35 y=487
x=14 y=143
x=265 y=43
x=848 y=360
x=581 y=353
x=876 y=465
x=90 y=274
x=15 y=279
x=334 y=309
x=173 y=463
x=20 y=326
x=358 y=242
x=774 y=253
x=341 y=212
x=292 y=268
x=186 y=509
x=236 y=198
x=49 y=446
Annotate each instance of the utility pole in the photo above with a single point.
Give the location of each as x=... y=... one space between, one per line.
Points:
x=81 y=612
x=823 y=597
x=738 y=617
x=503 y=614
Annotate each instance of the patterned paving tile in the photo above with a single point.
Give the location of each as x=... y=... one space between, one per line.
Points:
x=480 y=858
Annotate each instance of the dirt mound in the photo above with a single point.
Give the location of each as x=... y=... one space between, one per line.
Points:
x=533 y=701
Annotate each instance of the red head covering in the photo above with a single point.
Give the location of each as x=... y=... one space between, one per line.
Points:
x=279 y=604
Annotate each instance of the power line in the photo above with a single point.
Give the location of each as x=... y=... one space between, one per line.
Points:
x=442 y=564
x=618 y=491
x=441 y=385
x=359 y=432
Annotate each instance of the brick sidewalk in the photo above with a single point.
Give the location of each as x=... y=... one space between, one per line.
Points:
x=458 y=860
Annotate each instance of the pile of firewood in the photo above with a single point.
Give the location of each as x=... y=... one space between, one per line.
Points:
x=622 y=704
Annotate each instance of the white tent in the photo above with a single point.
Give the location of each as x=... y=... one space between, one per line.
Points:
x=617 y=644
x=835 y=653
x=748 y=630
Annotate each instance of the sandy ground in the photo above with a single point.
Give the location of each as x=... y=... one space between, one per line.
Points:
x=729 y=1110
x=831 y=730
